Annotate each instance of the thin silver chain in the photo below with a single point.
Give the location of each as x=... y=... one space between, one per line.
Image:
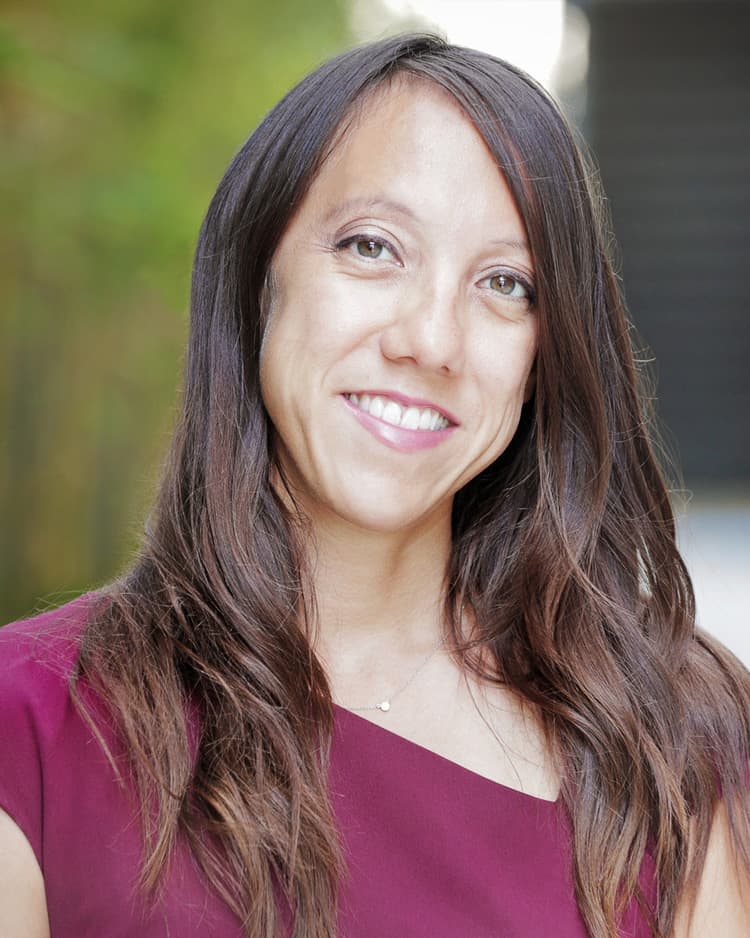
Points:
x=385 y=703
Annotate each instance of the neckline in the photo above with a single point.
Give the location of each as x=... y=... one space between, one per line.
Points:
x=455 y=766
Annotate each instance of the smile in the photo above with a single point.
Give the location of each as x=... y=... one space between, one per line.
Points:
x=405 y=425
x=407 y=417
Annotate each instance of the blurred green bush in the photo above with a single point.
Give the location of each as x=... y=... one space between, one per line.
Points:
x=117 y=121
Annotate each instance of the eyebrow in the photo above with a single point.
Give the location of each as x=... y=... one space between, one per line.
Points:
x=511 y=243
x=366 y=204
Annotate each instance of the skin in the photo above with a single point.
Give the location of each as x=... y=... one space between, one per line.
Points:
x=723 y=899
x=23 y=908
x=422 y=317
x=389 y=277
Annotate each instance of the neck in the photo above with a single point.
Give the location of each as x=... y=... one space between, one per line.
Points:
x=379 y=595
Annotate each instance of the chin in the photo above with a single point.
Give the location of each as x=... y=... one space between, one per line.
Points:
x=386 y=515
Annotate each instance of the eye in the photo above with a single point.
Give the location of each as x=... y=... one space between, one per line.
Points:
x=510 y=285
x=369 y=248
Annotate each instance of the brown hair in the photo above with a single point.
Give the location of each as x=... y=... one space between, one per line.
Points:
x=564 y=548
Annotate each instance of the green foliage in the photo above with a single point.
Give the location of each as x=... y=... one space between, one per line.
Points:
x=117 y=121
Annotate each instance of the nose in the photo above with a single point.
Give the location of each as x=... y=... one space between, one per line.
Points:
x=426 y=329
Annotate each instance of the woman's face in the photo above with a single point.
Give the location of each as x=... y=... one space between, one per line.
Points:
x=402 y=336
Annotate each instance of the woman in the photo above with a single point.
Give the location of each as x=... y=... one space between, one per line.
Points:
x=409 y=648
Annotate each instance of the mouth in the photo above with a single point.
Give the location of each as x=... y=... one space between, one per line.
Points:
x=403 y=413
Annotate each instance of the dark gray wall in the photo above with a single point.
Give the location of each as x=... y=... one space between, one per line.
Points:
x=669 y=122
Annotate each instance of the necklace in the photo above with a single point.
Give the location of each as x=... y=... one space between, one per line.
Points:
x=385 y=704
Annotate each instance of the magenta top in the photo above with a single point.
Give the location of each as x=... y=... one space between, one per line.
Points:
x=434 y=850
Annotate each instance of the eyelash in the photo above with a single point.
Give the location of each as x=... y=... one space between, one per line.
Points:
x=358 y=238
x=530 y=297
x=347 y=242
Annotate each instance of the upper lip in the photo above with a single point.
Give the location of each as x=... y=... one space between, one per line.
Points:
x=408 y=401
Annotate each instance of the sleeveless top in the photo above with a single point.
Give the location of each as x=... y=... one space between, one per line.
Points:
x=433 y=849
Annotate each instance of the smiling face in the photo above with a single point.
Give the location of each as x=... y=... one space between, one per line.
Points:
x=402 y=335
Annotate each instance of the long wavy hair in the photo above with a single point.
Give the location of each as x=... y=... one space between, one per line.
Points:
x=564 y=549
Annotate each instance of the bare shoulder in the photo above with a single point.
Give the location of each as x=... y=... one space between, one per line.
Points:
x=23 y=908
x=723 y=899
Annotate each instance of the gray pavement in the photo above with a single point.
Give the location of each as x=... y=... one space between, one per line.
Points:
x=714 y=536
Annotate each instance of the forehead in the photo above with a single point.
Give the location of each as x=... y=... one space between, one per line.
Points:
x=409 y=147
x=403 y=110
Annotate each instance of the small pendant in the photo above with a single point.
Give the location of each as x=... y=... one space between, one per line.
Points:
x=384 y=706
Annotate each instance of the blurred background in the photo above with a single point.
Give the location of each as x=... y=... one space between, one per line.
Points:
x=117 y=121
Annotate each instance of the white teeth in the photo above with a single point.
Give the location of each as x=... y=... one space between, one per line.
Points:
x=392 y=413
x=425 y=420
x=410 y=418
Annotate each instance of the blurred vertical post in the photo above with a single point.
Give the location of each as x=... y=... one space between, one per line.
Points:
x=669 y=121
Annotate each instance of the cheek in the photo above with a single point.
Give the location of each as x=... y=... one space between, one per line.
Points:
x=271 y=378
x=506 y=364
x=304 y=341
x=282 y=362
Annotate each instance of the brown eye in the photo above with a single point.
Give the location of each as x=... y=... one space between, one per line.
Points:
x=369 y=248
x=507 y=285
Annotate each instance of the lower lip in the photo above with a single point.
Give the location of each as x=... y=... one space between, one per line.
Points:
x=406 y=441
